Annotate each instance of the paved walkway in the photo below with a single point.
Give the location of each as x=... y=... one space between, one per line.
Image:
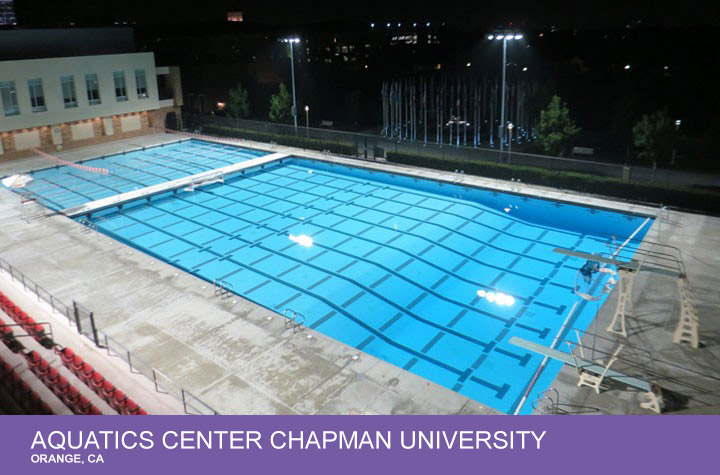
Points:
x=238 y=357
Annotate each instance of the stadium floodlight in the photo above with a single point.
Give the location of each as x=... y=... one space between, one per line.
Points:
x=291 y=41
x=505 y=36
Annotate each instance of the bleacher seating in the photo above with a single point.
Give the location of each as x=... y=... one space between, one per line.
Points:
x=65 y=391
x=20 y=392
x=58 y=383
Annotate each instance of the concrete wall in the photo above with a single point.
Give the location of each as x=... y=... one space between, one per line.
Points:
x=50 y=70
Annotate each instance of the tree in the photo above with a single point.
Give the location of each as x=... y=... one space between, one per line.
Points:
x=653 y=136
x=556 y=129
x=280 y=105
x=238 y=106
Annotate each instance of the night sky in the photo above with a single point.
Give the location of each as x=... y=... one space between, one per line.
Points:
x=476 y=14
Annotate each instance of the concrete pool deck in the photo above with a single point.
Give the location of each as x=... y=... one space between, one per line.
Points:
x=238 y=357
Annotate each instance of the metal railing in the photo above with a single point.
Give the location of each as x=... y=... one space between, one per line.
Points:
x=163 y=384
x=83 y=320
x=373 y=147
x=58 y=306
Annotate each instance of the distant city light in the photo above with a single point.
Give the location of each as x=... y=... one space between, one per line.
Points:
x=678 y=123
x=427 y=24
x=468 y=65
x=414 y=24
x=525 y=68
x=235 y=16
x=388 y=24
x=221 y=105
x=372 y=25
x=627 y=66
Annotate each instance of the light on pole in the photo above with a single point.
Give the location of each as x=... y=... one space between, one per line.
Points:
x=504 y=37
x=293 y=110
x=307 y=120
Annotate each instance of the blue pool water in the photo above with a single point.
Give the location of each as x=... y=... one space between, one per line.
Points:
x=63 y=187
x=395 y=265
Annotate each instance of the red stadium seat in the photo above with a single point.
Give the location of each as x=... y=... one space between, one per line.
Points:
x=131 y=407
x=62 y=386
x=108 y=390
x=98 y=381
x=43 y=368
x=72 y=396
x=83 y=405
x=76 y=364
x=53 y=376
x=66 y=354
x=87 y=372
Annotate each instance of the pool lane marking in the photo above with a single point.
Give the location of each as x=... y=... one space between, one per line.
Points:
x=411 y=314
x=170 y=185
x=380 y=265
x=482 y=208
x=435 y=214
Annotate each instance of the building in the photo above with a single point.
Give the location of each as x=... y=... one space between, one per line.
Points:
x=7 y=13
x=55 y=103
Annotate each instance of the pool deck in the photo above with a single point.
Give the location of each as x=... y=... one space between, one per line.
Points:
x=238 y=357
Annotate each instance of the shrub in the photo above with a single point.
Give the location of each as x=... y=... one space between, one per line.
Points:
x=289 y=140
x=682 y=197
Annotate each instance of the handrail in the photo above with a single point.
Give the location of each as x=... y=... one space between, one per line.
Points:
x=294 y=320
x=223 y=288
x=139 y=366
x=190 y=402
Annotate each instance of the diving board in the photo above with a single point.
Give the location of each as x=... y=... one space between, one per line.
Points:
x=198 y=178
x=581 y=363
x=631 y=264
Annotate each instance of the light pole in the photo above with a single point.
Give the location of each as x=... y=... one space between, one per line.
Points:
x=307 y=121
x=293 y=110
x=678 y=123
x=510 y=127
x=504 y=37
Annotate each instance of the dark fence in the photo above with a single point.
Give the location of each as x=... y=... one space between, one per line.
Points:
x=374 y=147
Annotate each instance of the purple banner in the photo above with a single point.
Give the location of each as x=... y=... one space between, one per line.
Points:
x=357 y=444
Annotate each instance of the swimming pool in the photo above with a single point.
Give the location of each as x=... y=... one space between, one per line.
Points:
x=398 y=267
x=61 y=187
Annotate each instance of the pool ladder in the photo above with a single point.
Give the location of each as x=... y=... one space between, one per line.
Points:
x=294 y=320
x=223 y=288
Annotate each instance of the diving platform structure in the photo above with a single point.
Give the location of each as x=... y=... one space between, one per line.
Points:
x=593 y=373
x=687 y=329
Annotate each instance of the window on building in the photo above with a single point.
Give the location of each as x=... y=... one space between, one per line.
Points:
x=120 y=89
x=93 y=89
x=37 y=96
x=141 y=83
x=9 y=98
x=68 y=89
